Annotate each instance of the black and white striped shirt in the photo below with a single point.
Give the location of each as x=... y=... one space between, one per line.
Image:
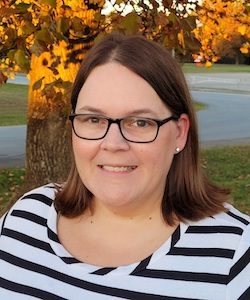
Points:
x=208 y=259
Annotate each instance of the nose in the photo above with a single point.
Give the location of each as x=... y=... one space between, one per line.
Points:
x=114 y=140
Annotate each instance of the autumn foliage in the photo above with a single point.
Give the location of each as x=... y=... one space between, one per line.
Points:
x=30 y=27
x=223 y=29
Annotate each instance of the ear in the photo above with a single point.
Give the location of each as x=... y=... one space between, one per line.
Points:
x=182 y=133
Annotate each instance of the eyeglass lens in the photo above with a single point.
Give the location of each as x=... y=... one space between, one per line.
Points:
x=136 y=129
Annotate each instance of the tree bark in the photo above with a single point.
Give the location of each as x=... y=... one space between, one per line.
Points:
x=48 y=155
x=48 y=142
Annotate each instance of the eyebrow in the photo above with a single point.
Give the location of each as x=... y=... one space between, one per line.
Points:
x=129 y=113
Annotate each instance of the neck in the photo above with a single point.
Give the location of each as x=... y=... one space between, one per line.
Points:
x=150 y=210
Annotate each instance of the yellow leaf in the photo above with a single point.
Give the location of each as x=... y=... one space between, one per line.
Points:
x=180 y=36
x=208 y=64
x=244 y=50
x=242 y=29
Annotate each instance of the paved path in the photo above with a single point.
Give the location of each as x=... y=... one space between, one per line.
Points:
x=19 y=79
x=224 y=82
x=226 y=117
x=12 y=146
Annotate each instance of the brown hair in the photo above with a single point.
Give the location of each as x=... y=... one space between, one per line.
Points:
x=188 y=193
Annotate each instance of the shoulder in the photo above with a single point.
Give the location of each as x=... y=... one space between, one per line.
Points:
x=236 y=223
x=32 y=206
x=238 y=286
x=234 y=217
x=230 y=221
x=227 y=230
x=41 y=197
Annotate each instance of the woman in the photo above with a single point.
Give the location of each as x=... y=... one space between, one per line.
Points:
x=136 y=218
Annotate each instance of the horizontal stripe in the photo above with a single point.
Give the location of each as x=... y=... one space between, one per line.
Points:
x=29 y=216
x=39 y=197
x=211 y=252
x=27 y=240
x=240 y=265
x=184 y=276
x=215 y=229
x=111 y=291
x=27 y=290
x=242 y=220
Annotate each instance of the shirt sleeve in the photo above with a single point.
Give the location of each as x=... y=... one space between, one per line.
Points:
x=238 y=287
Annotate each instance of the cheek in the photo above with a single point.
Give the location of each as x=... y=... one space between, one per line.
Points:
x=77 y=147
x=162 y=155
x=158 y=157
x=83 y=150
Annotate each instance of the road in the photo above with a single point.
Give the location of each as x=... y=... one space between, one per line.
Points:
x=12 y=146
x=230 y=82
x=226 y=120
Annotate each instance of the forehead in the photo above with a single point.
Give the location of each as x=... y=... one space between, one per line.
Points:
x=114 y=89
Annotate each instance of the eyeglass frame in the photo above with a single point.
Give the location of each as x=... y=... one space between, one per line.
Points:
x=118 y=122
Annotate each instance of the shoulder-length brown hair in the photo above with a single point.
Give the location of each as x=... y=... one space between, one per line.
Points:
x=188 y=194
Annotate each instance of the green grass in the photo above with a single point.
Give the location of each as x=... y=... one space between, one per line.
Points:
x=13 y=104
x=11 y=181
x=227 y=166
x=230 y=167
x=199 y=105
x=216 y=68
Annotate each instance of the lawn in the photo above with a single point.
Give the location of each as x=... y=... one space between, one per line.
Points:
x=10 y=182
x=13 y=104
x=216 y=68
x=228 y=166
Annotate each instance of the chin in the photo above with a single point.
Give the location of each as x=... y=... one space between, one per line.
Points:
x=116 y=201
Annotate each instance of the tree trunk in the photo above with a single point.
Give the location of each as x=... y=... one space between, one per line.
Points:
x=48 y=145
x=48 y=156
x=237 y=59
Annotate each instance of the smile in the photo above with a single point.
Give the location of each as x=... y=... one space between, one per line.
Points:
x=118 y=169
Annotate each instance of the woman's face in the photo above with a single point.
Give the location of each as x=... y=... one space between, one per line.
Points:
x=125 y=176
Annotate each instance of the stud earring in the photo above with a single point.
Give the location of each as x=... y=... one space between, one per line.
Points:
x=177 y=150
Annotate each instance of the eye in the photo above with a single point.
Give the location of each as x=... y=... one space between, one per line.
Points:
x=143 y=123
x=93 y=119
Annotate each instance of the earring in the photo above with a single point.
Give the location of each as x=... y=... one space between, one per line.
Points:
x=177 y=150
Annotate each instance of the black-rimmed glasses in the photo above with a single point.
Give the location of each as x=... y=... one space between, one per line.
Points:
x=133 y=129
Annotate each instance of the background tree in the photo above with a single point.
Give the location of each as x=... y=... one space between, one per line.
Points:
x=223 y=29
x=47 y=39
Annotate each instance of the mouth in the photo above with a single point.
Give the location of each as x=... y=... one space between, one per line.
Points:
x=117 y=169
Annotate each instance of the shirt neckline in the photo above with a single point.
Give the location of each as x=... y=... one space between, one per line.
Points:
x=59 y=250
